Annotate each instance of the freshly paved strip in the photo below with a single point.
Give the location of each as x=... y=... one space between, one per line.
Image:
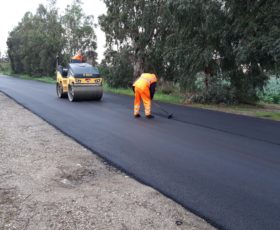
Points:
x=223 y=167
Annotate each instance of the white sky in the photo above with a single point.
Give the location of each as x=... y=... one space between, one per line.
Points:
x=12 y=11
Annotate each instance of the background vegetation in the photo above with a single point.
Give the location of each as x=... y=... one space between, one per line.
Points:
x=38 y=39
x=203 y=51
x=211 y=50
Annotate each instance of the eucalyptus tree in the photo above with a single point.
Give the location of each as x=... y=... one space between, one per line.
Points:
x=117 y=68
x=193 y=45
x=34 y=43
x=251 y=43
x=79 y=29
x=135 y=25
x=238 y=38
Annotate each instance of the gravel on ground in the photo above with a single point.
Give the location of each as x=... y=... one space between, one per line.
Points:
x=49 y=181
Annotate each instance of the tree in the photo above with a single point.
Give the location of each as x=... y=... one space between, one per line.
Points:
x=117 y=68
x=35 y=42
x=194 y=41
x=251 y=44
x=134 y=25
x=79 y=29
x=236 y=38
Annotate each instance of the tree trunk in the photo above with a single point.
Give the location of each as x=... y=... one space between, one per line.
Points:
x=138 y=67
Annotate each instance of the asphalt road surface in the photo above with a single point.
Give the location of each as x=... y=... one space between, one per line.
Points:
x=225 y=168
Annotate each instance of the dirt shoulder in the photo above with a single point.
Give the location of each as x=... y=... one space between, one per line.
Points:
x=48 y=181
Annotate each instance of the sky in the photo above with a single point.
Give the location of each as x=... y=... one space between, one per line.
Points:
x=12 y=11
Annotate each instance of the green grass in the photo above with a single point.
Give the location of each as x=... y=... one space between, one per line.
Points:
x=169 y=98
x=269 y=115
x=5 y=68
x=266 y=111
x=123 y=91
x=159 y=96
x=41 y=79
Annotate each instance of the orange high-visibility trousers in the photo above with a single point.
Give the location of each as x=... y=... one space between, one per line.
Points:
x=146 y=98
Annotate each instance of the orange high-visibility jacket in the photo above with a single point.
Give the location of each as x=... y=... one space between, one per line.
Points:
x=78 y=57
x=144 y=81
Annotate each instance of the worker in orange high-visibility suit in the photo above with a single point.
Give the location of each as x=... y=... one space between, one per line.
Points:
x=78 y=57
x=144 y=88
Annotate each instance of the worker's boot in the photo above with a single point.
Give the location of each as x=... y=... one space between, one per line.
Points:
x=137 y=115
x=149 y=116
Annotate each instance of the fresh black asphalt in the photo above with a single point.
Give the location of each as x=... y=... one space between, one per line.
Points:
x=225 y=168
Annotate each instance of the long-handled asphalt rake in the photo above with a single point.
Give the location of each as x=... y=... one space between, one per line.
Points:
x=169 y=115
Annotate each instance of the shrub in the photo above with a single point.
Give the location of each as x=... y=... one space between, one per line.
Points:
x=271 y=92
x=218 y=91
x=167 y=87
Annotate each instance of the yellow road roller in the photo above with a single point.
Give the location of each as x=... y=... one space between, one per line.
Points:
x=80 y=81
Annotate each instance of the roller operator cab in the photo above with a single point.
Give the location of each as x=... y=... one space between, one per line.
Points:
x=80 y=81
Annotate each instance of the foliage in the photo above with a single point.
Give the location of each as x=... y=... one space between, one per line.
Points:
x=78 y=29
x=271 y=92
x=135 y=26
x=250 y=45
x=255 y=33
x=5 y=68
x=35 y=42
x=116 y=68
x=194 y=40
x=217 y=91
x=230 y=40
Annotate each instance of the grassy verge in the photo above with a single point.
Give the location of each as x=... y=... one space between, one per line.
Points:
x=27 y=77
x=123 y=91
x=269 y=115
x=42 y=79
x=159 y=96
x=266 y=111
